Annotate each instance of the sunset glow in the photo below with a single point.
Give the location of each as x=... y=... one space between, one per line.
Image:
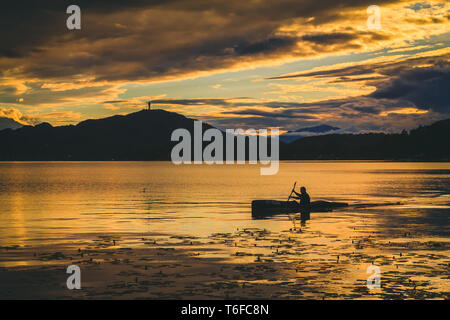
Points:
x=224 y=62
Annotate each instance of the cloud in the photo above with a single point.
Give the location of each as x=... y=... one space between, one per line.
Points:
x=426 y=87
x=63 y=116
x=17 y=116
x=46 y=94
x=190 y=102
x=406 y=92
x=157 y=40
x=377 y=68
x=290 y=114
x=121 y=42
x=330 y=38
x=420 y=81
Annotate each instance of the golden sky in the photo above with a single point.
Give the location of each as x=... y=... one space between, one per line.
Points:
x=250 y=64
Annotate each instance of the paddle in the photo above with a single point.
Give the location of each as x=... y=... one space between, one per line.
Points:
x=293 y=188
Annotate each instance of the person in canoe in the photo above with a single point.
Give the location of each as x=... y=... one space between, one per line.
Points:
x=303 y=196
x=305 y=202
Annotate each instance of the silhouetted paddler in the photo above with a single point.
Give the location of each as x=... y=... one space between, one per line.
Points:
x=303 y=196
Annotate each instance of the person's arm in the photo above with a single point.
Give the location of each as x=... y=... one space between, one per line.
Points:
x=298 y=194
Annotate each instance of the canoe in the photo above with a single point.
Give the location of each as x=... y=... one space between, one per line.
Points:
x=261 y=208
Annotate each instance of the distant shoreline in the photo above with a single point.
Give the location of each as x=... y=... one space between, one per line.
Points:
x=146 y=136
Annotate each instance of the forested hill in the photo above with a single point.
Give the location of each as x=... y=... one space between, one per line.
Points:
x=145 y=135
x=424 y=143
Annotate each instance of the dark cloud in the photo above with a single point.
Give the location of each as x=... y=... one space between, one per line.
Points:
x=330 y=38
x=340 y=72
x=152 y=40
x=406 y=81
x=387 y=68
x=141 y=40
x=419 y=6
x=265 y=46
x=240 y=102
x=248 y=122
x=426 y=87
x=345 y=79
x=290 y=114
x=192 y=102
x=115 y=101
x=399 y=84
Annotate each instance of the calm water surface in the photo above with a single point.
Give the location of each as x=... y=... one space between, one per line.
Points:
x=398 y=219
x=54 y=201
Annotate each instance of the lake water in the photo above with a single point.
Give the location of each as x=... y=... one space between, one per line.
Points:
x=65 y=203
x=49 y=201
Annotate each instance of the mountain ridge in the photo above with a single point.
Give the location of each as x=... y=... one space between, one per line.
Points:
x=145 y=135
x=427 y=143
x=321 y=128
x=293 y=135
x=8 y=123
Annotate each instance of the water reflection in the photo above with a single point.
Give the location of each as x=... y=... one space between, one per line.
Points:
x=398 y=218
x=304 y=216
x=39 y=199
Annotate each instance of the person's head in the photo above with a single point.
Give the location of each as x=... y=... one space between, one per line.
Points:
x=303 y=190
